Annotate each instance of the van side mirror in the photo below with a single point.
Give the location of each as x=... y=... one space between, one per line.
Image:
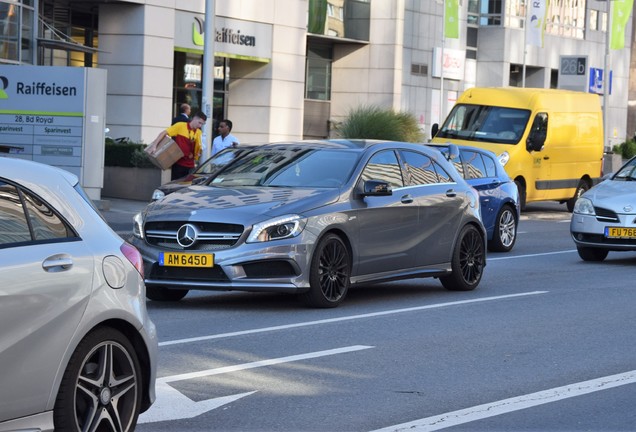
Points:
x=434 y=130
x=535 y=141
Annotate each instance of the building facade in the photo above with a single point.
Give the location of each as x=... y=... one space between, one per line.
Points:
x=290 y=69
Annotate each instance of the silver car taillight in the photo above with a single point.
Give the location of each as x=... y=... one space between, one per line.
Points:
x=133 y=256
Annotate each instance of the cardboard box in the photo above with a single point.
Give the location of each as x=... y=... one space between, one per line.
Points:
x=164 y=153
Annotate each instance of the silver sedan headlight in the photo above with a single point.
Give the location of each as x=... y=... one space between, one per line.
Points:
x=584 y=206
x=277 y=229
x=138 y=224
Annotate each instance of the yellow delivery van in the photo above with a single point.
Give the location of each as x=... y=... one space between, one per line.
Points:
x=550 y=141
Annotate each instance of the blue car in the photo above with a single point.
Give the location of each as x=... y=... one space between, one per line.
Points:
x=498 y=194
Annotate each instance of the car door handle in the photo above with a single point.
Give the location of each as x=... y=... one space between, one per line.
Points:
x=57 y=263
x=406 y=199
x=451 y=193
x=546 y=157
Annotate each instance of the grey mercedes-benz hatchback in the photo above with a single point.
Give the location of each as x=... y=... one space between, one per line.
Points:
x=313 y=218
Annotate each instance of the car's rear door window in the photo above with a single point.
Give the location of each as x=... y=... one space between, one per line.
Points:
x=25 y=218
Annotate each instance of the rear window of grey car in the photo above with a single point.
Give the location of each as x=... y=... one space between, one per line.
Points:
x=24 y=218
x=422 y=170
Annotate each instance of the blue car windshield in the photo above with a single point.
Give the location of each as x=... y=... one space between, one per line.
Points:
x=289 y=167
x=482 y=123
x=627 y=172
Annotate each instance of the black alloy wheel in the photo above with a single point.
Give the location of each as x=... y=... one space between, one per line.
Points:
x=101 y=387
x=329 y=273
x=468 y=261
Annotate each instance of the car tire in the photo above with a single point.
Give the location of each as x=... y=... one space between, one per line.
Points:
x=467 y=262
x=101 y=387
x=522 y=195
x=592 y=254
x=159 y=293
x=329 y=273
x=580 y=190
x=505 y=230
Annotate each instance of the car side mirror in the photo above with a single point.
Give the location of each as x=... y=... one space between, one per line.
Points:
x=535 y=141
x=376 y=188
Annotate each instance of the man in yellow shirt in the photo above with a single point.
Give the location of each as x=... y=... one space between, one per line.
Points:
x=188 y=138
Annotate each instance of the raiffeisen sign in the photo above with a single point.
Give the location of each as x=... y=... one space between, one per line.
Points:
x=234 y=38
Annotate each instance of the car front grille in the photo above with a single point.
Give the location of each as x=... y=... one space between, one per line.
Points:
x=211 y=236
x=605 y=215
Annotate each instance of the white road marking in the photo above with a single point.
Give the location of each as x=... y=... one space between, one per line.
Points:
x=261 y=363
x=171 y=404
x=531 y=255
x=345 y=318
x=504 y=406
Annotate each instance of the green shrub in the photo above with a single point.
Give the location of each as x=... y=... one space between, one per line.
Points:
x=126 y=154
x=372 y=122
x=626 y=149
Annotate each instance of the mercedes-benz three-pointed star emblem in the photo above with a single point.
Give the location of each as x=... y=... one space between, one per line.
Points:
x=187 y=235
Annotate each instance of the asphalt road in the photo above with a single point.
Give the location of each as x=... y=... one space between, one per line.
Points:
x=545 y=343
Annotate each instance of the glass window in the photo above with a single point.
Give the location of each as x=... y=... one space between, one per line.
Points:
x=25 y=218
x=384 y=166
x=419 y=169
x=318 y=71
x=475 y=166
x=9 y=31
x=566 y=18
x=14 y=227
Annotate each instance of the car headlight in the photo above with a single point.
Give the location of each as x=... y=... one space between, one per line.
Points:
x=584 y=206
x=277 y=229
x=504 y=158
x=157 y=194
x=138 y=224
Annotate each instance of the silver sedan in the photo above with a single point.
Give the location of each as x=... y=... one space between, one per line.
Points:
x=313 y=218
x=77 y=349
x=604 y=218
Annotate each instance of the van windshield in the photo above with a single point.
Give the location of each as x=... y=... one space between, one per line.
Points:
x=485 y=123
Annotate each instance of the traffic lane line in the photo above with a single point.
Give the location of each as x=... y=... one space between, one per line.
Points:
x=479 y=412
x=345 y=318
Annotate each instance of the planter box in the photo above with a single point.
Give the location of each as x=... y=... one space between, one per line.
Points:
x=132 y=183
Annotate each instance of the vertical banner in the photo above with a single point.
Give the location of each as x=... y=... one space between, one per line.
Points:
x=620 y=15
x=451 y=19
x=535 y=22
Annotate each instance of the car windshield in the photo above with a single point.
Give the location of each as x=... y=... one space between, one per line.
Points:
x=218 y=161
x=292 y=166
x=627 y=172
x=485 y=123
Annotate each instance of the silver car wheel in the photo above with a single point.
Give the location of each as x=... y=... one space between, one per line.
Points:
x=100 y=390
x=505 y=232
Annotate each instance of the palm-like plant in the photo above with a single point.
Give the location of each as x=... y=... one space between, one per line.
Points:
x=373 y=122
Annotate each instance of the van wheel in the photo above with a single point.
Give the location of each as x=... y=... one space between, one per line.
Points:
x=522 y=195
x=580 y=190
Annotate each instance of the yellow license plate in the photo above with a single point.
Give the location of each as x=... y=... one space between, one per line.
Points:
x=178 y=259
x=612 y=232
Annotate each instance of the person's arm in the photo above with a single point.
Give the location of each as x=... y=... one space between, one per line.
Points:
x=153 y=146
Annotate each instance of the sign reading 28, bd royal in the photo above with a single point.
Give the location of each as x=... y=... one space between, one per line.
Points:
x=41 y=113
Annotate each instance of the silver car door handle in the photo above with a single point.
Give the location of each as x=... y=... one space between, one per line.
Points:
x=57 y=263
x=406 y=199
x=451 y=193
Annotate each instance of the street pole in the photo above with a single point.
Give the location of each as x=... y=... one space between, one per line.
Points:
x=208 y=78
x=606 y=74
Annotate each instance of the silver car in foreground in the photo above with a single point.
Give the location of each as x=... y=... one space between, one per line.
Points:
x=604 y=218
x=77 y=349
x=313 y=218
